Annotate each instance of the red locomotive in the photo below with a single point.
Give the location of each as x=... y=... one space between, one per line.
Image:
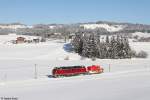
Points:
x=95 y=69
x=69 y=71
x=76 y=70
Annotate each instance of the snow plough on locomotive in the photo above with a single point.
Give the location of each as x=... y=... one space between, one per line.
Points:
x=76 y=70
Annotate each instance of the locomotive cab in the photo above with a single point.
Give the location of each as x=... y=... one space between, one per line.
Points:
x=95 y=69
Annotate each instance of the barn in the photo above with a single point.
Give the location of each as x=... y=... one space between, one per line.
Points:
x=20 y=40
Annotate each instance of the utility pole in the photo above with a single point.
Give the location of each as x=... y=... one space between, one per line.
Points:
x=5 y=77
x=35 y=71
x=109 y=67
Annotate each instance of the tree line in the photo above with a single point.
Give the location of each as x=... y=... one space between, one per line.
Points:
x=96 y=46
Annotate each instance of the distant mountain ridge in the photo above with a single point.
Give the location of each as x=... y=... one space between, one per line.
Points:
x=101 y=27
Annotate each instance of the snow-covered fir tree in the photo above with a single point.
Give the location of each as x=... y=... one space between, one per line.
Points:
x=77 y=43
x=89 y=46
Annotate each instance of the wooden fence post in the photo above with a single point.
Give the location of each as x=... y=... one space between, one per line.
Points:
x=35 y=71
x=109 y=68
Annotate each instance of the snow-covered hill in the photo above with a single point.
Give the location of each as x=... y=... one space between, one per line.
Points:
x=141 y=34
x=109 y=28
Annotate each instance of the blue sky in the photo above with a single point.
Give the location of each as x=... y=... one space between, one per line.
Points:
x=72 y=11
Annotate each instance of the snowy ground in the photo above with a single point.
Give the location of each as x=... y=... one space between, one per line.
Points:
x=127 y=79
x=107 y=86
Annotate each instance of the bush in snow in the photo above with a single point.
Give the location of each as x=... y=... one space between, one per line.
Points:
x=142 y=54
x=82 y=58
x=93 y=59
x=133 y=53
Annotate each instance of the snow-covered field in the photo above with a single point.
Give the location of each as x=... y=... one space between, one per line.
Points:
x=107 y=86
x=140 y=34
x=127 y=79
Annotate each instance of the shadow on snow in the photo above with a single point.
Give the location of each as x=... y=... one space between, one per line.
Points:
x=68 y=47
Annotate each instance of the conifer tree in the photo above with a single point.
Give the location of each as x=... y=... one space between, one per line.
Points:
x=77 y=43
